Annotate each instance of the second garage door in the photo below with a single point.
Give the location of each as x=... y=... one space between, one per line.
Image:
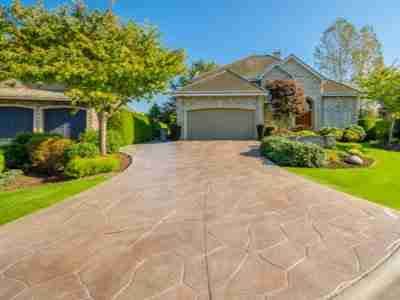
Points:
x=65 y=122
x=221 y=124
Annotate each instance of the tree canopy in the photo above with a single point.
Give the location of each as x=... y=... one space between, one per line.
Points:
x=102 y=62
x=346 y=53
x=287 y=99
x=383 y=85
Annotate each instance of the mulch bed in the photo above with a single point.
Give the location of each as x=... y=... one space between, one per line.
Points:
x=126 y=161
x=33 y=179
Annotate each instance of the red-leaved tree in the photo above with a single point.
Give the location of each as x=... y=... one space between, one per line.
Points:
x=287 y=100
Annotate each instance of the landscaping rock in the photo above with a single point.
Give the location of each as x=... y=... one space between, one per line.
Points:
x=354 y=160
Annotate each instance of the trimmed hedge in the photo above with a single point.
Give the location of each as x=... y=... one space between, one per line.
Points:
x=142 y=128
x=83 y=167
x=294 y=154
x=369 y=125
x=122 y=122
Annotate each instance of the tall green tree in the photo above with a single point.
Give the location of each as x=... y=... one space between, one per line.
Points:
x=155 y=112
x=383 y=84
x=102 y=62
x=345 y=53
x=168 y=108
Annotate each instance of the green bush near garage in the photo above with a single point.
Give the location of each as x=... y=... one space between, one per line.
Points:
x=157 y=127
x=83 y=167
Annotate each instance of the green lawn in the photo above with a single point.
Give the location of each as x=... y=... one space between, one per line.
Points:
x=380 y=183
x=16 y=204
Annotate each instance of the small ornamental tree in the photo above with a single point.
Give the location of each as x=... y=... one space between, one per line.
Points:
x=287 y=100
x=383 y=85
x=103 y=63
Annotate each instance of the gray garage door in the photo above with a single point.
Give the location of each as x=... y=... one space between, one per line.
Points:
x=221 y=124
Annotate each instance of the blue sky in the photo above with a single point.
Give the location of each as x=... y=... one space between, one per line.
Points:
x=225 y=30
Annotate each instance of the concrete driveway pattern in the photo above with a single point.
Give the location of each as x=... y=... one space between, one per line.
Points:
x=197 y=221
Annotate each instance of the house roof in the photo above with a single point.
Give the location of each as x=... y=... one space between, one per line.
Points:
x=334 y=88
x=14 y=90
x=223 y=82
x=257 y=66
x=249 y=67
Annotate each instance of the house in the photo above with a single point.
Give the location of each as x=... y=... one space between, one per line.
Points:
x=37 y=108
x=229 y=102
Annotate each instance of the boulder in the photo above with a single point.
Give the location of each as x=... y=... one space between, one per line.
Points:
x=354 y=160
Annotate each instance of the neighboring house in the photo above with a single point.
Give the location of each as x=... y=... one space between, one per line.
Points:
x=229 y=102
x=35 y=108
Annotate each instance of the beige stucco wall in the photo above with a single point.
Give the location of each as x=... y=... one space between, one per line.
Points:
x=185 y=104
x=339 y=111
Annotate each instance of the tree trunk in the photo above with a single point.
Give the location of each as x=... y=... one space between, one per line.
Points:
x=103 y=133
x=391 y=129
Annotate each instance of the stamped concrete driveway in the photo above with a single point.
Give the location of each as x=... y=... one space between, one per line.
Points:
x=196 y=220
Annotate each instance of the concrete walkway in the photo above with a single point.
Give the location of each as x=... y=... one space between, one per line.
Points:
x=197 y=221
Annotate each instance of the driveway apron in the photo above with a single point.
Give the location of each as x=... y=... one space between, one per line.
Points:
x=197 y=221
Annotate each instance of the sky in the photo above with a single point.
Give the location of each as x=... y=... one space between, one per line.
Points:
x=227 y=30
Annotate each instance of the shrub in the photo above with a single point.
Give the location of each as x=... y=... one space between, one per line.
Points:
x=269 y=130
x=89 y=136
x=82 y=150
x=114 y=139
x=304 y=133
x=156 y=128
x=336 y=132
x=347 y=146
x=48 y=156
x=354 y=133
x=382 y=130
x=355 y=151
x=369 y=126
x=122 y=122
x=17 y=153
x=82 y=167
x=290 y=153
x=2 y=161
x=175 y=132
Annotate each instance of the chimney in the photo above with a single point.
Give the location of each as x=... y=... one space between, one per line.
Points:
x=277 y=54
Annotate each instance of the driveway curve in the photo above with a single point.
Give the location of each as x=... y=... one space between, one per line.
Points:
x=197 y=221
